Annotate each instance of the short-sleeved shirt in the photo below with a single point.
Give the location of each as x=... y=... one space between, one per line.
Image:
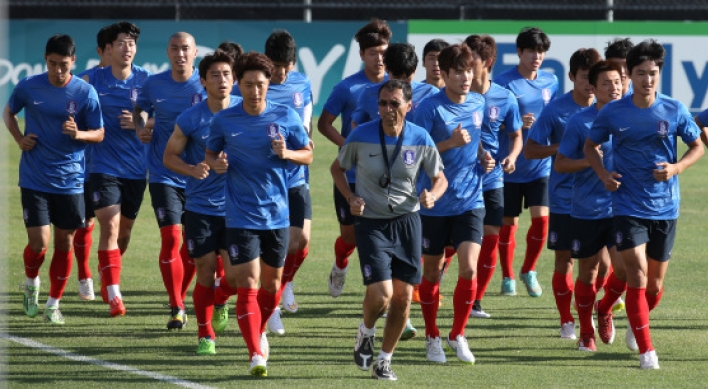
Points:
x=440 y=116
x=642 y=137
x=368 y=108
x=362 y=150
x=501 y=116
x=548 y=130
x=56 y=163
x=121 y=154
x=590 y=199
x=167 y=98
x=532 y=96
x=256 y=182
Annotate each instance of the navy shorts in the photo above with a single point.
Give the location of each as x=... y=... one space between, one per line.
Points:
x=300 y=205
x=590 y=236
x=245 y=245
x=494 y=207
x=341 y=206
x=441 y=231
x=659 y=235
x=560 y=236
x=107 y=190
x=65 y=211
x=205 y=233
x=530 y=194
x=88 y=204
x=168 y=204
x=389 y=248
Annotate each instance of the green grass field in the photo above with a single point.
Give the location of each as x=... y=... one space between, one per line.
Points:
x=518 y=347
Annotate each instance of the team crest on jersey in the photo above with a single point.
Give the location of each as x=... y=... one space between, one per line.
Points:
x=553 y=237
x=272 y=130
x=298 y=100
x=477 y=119
x=233 y=251
x=494 y=113
x=134 y=95
x=196 y=98
x=367 y=271
x=575 y=246
x=409 y=158
x=95 y=196
x=546 y=94
x=662 y=128
x=71 y=107
x=618 y=238
x=160 y=213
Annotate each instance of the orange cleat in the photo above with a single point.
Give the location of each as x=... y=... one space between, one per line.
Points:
x=117 y=307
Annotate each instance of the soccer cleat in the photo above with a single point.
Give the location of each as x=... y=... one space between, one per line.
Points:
x=568 y=331
x=606 y=328
x=206 y=346
x=409 y=332
x=86 y=289
x=220 y=318
x=30 y=300
x=117 y=307
x=618 y=305
x=531 y=281
x=459 y=346
x=382 y=370
x=336 y=281
x=508 y=287
x=478 y=312
x=178 y=319
x=289 y=302
x=363 y=350
x=258 y=366
x=434 y=350
x=275 y=325
x=630 y=340
x=587 y=342
x=264 y=346
x=416 y=295
x=649 y=360
x=52 y=315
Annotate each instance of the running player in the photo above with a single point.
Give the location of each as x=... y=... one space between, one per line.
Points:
x=62 y=114
x=616 y=51
x=431 y=50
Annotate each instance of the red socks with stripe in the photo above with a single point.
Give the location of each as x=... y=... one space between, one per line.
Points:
x=462 y=302
x=563 y=292
x=82 y=248
x=267 y=302
x=535 y=240
x=585 y=300
x=507 y=246
x=59 y=272
x=638 y=316
x=429 y=303
x=342 y=251
x=171 y=266
x=486 y=264
x=203 y=298
x=614 y=288
x=248 y=315
x=33 y=261
x=188 y=266
x=223 y=292
x=109 y=263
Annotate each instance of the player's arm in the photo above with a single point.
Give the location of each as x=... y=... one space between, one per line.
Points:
x=534 y=150
x=459 y=137
x=356 y=203
x=25 y=142
x=307 y=119
x=140 y=119
x=437 y=189
x=217 y=161
x=565 y=164
x=594 y=157
x=172 y=160
x=93 y=135
x=665 y=170
x=301 y=156
x=516 y=145
x=325 y=127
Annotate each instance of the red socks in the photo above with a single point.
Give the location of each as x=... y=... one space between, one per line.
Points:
x=219 y=266
x=248 y=316
x=82 y=249
x=188 y=265
x=33 y=261
x=429 y=302
x=563 y=292
x=342 y=251
x=653 y=300
x=462 y=302
x=267 y=302
x=585 y=300
x=507 y=245
x=223 y=292
x=535 y=240
x=614 y=288
x=638 y=316
x=203 y=298
x=171 y=265
x=109 y=262
x=59 y=273
x=486 y=264
x=300 y=256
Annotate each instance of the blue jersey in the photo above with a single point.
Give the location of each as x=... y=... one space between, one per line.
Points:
x=167 y=98
x=703 y=117
x=440 y=116
x=88 y=73
x=256 y=187
x=590 y=199
x=640 y=139
x=548 y=130
x=203 y=196
x=501 y=113
x=532 y=96
x=368 y=106
x=121 y=154
x=56 y=163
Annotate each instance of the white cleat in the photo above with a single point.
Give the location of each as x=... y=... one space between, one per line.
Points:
x=275 y=325
x=649 y=360
x=336 y=281
x=459 y=346
x=630 y=340
x=434 y=350
x=86 y=289
x=265 y=346
x=568 y=331
x=289 y=302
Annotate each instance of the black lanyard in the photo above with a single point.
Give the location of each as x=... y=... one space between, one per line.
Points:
x=389 y=163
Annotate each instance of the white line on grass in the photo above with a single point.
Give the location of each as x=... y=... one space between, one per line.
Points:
x=106 y=364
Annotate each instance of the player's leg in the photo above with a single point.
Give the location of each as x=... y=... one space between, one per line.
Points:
x=83 y=241
x=507 y=236
x=536 y=193
x=35 y=210
x=560 y=236
x=297 y=206
x=585 y=293
x=344 y=245
x=487 y=263
x=274 y=246
x=436 y=234
x=132 y=193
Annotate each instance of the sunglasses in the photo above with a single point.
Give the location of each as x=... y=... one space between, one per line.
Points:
x=393 y=103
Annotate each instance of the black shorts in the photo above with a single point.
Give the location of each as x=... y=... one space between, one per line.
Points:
x=205 y=233
x=65 y=211
x=300 y=205
x=168 y=203
x=389 y=248
x=531 y=194
x=107 y=190
x=441 y=231
x=341 y=206
x=88 y=204
x=560 y=236
x=659 y=235
x=494 y=207
x=590 y=236
x=245 y=245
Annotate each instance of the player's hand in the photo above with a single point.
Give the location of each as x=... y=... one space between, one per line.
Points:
x=488 y=162
x=145 y=135
x=312 y=144
x=69 y=128
x=279 y=147
x=126 y=120
x=460 y=136
x=611 y=181
x=27 y=142
x=221 y=164
x=200 y=171
x=508 y=165
x=528 y=121
x=356 y=205
x=664 y=171
x=427 y=199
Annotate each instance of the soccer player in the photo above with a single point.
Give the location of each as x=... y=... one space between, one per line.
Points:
x=528 y=185
x=205 y=223
x=388 y=154
x=501 y=137
x=542 y=144
x=453 y=117
x=373 y=40
x=117 y=165
x=591 y=210
x=258 y=139
x=62 y=115
x=431 y=50
x=168 y=94
x=233 y=49
x=616 y=51
x=645 y=127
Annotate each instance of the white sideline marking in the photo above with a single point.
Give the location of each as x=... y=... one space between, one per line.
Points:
x=110 y=365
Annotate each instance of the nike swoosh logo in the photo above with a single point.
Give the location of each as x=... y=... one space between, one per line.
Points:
x=38 y=102
x=236 y=133
x=103 y=94
x=372 y=155
x=519 y=96
x=239 y=317
x=623 y=129
x=469 y=302
x=562 y=294
x=205 y=136
x=160 y=100
x=642 y=327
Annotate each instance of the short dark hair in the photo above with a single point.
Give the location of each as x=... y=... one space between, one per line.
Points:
x=484 y=45
x=583 y=59
x=61 y=44
x=280 y=47
x=209 y=60
x=103 y=37
x=233 y=49
x=618 y=48
x=434 y=45
x=393 y=84
x=455 y=56
x=533 y=38
x=375 y=33
x=648 y=50
x=400 y=60
x=253 y=61
x=127 y=28
x=601 y=67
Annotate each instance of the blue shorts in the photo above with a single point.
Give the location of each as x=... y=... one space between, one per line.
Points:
x=531 y=194
x=65 y=211
x=590 y=236
x=205 y=233
x=441 y=231
x=245 y=245
x=341 y=206
x=560 y=235
x=300 y=205
x=494 y=207
x=107 y=190
x=659 y=235
x=168 y=203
